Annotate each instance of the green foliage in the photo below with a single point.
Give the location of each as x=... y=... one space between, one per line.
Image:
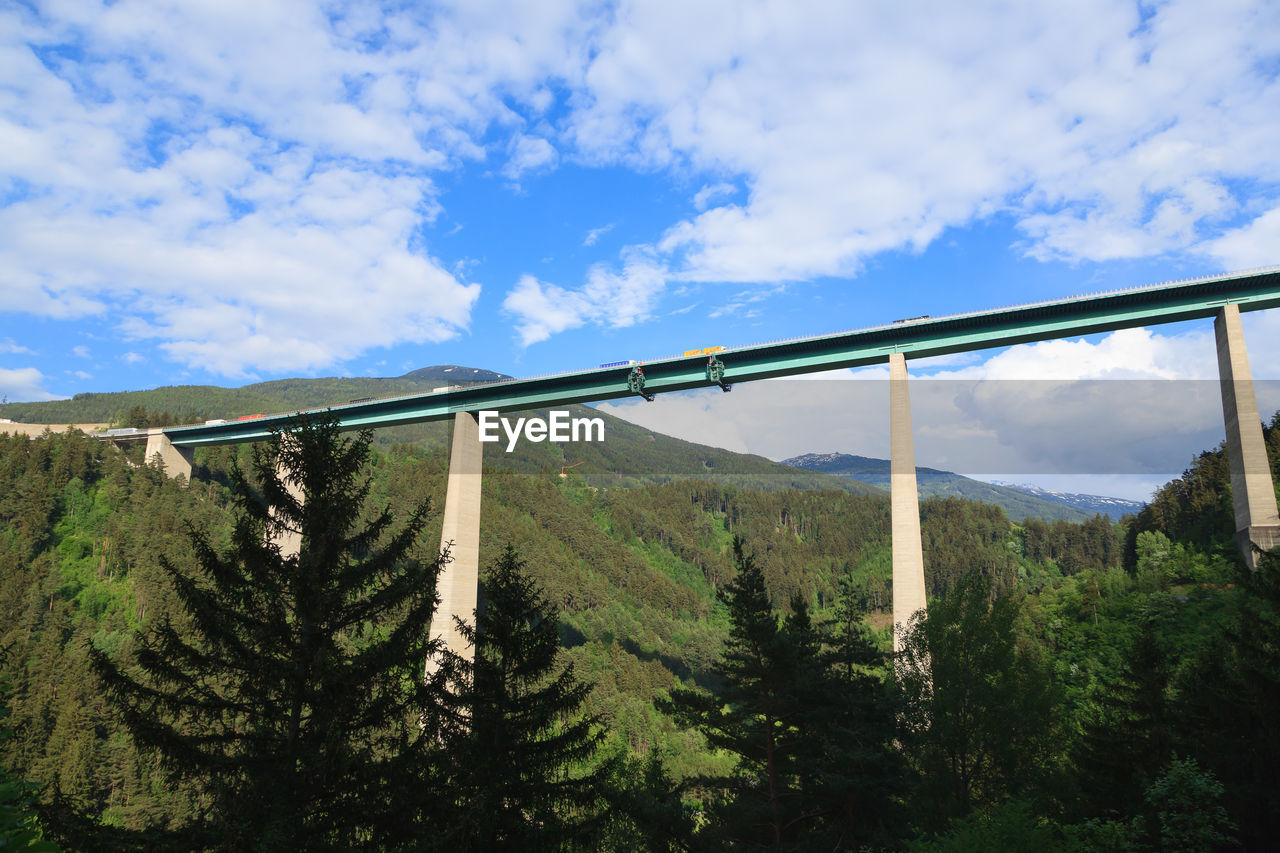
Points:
x=810 y=729
x=1014 y=825
x=19 y=822
x=755 y=715
x=1229 y=698
x=519 y=755
x=979 y=724
x=1129 y=738
x=631 y=574
x=1195 y=510
x=646 y=810
x=275 y=692
x=1186 y=800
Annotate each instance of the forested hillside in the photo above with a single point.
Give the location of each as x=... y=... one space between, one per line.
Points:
x=1123 y=641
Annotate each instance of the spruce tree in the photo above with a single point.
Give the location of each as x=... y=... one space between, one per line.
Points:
x=978 y=721
x=1129 y=737
x=519 y=751
x=19 y=823
x=859 y=776
x=286 y=692
x=808 y=719
x=1229 y=697
x=753 y=714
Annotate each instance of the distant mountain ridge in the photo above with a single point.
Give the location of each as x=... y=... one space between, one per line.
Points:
x=1019 y=502
x=1089 y=503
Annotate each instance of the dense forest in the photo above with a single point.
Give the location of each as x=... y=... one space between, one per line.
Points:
x=717 y=673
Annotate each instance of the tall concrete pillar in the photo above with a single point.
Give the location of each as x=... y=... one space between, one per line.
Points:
x=459 y=582
x=176 y=460
x=290 y=541
x=904 y=497
x=1252 y=490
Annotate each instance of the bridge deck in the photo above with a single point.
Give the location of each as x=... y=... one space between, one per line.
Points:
x=917 y=338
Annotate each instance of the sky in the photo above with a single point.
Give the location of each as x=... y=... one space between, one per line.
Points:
x=226 y=192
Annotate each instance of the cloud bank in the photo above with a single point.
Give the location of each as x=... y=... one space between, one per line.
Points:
x=1103 y=130
x=241 y=183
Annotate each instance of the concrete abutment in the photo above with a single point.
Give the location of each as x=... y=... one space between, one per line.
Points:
x=176 y=460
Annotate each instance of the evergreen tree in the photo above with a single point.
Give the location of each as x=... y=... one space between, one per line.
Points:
x=519 y=751
x=978 y=720
x=859 y=776
x=808 y=720
x=1229 y=698
x=646 y=809
x=753 y=714
x=286 y=693
x=19 y=825
x=1129 y=739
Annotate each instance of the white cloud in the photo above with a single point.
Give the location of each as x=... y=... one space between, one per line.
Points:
x=709 y=193
x=594 y=235
x=199 y=169
x=24 y=384
x=245 y=183
x=611 y=298
x=9 y=347
x=1105 y=130
x=528 y=154
x=80 y=351
x=133 y=358
x=1251 y=245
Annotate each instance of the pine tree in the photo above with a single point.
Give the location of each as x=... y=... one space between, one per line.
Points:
x=978 y=719
x=1229 y=698
x=753 y=714
x=809 y=721
x=19 y=825
x=858 y=773
x=286 y=693
x=518 y=749
x=1129 y=739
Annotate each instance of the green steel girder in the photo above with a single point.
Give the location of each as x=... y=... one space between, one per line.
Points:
x=916 y=338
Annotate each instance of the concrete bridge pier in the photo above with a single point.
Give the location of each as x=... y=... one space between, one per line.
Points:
x=908 y=553
x=1252 y=490
x=460 y=578
x=289 y=541
x=176 y=460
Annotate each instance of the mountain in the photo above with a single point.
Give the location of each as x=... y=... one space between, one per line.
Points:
x=453 y=373
x=1112 y=507
x=1018 y=502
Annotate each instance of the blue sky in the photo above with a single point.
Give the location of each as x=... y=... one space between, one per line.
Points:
x=223 y=192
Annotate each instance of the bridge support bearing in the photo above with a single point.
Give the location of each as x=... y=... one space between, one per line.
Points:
x=715 y=373
x=176 y=460
x=459 y=581
x=1252 y=490
x=635 y=382
x=908 y=553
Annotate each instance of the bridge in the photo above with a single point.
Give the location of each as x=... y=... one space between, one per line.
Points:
x=1220 y=297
